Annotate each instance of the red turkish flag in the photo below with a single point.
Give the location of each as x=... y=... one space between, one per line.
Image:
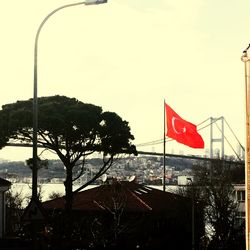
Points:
x=182 y=130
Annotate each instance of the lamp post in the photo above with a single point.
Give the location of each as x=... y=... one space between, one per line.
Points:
x=35 y=101
x=193 y=239
x=246 y=61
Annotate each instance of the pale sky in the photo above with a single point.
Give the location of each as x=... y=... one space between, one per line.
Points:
x=127 y=56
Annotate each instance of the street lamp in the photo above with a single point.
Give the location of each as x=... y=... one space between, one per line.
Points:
x=245 y=58
x=35 y=102
x=193 y=239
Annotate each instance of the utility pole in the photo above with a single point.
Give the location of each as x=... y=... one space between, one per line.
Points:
x=246 y=61
x=34 y=207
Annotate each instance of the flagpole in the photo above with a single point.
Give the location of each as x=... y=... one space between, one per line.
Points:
x=164 y=148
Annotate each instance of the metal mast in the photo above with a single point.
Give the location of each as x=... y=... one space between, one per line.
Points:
x=246 y=61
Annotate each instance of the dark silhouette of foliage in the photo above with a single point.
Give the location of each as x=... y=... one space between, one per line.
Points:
x=14 y=212
x=71 y=129
x=214 y=185
x=238 y=173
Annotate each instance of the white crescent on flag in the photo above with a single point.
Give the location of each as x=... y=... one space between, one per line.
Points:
x=174 y=128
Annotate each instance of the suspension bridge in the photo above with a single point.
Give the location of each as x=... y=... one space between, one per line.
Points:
x=211 y=122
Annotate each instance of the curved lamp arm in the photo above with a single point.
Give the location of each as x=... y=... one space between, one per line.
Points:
x=35 y=106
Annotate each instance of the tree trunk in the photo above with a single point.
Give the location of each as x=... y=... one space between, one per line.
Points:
x=68 y=208
x=68 y=191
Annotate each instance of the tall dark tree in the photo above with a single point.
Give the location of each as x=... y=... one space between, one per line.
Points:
x=14 y=211
x=213 y=183
x=71 y=129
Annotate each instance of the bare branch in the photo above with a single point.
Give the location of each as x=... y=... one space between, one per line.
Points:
x=101 y=171
x=81 y=170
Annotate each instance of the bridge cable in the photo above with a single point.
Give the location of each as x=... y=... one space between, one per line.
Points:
x=229 y=143
x=234 y=135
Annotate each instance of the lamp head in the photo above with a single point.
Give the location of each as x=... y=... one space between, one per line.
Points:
x=93 y=2
x=244 y=57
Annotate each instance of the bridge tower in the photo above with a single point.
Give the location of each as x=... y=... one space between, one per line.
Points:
x=219 y=137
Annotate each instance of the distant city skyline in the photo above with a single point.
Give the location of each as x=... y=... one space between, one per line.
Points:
x=128 y=56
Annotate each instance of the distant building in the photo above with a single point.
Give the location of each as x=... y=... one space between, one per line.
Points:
x=4 y=186
x=184 y=180
x=239 y=198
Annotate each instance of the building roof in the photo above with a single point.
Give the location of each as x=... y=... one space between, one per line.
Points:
x=131 y=196
x=4 y=183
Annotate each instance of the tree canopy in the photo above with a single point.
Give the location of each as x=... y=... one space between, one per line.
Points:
x=71 y=129
x=68 y=125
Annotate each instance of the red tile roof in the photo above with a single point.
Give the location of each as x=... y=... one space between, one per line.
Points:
x=132 y=196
